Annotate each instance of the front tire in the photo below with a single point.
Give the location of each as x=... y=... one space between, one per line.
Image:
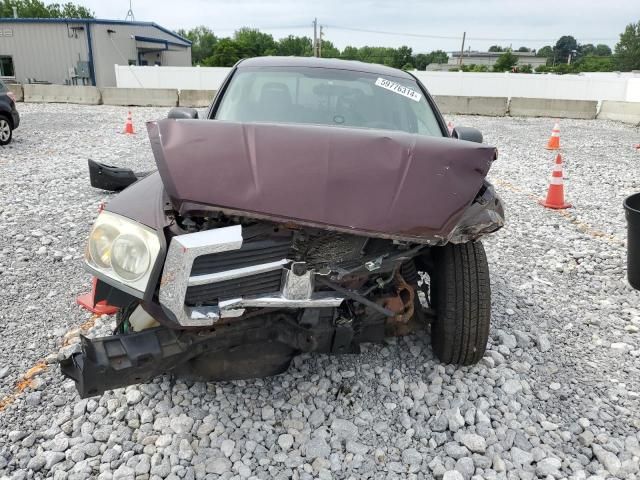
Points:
x=461 y=297
x=6 y=130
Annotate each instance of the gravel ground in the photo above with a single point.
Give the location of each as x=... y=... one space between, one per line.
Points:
x=556 y=396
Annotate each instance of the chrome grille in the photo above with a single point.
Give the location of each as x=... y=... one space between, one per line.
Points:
x=211 y=293
x=251 y=253
x=235 y=274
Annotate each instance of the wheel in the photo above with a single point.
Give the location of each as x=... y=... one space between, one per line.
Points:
x=6 y=130
x=461 y=298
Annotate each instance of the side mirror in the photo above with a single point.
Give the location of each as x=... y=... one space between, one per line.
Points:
x=183 y=112
x=467 y=133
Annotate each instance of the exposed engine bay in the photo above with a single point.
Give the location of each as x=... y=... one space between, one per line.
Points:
x=318 y=267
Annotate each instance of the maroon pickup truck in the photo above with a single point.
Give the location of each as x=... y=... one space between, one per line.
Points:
x=321 y=204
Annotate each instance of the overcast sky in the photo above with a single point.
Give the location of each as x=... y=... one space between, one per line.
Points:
x=532 y=23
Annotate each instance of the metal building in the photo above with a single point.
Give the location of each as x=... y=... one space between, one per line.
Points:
x=490 y=58
x=84 y=51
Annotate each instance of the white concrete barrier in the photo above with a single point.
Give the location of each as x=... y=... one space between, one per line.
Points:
x=140 y=97
x=627 y=112
x=196 y=98
x=586 y=86
x=180 y=78
x=604 y=86
x=16 y=88
x=491 y=106
x=82 y=95
x=551 y=107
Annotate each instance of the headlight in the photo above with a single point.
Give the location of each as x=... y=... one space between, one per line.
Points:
x=102 y=238
x=130 y=257
x=122 y=249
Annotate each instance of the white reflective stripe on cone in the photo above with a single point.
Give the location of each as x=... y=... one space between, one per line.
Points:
x=557 y=167
x=556 y=181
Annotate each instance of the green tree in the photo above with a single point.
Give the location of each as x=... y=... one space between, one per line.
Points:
x=37 y=9
x=627 y=53
x=350 y=53
x=495 y=48
x=329 y=50
x=603 y=50
x=380 y=55
x=564 y=68
x=204 y=43
x=565 y=47
x=472 y=67
x=545 y=51
x=587 y=49
x=402 y=56
x=295 y=46
x=439 y=56
x=253 y=43
x=70 y=10
x=505 y=62
x=592 y=63
x=525 y=68
x=226 y=54
x=524 y=49
x=421 y=60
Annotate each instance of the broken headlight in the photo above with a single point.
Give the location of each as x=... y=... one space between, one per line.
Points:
x=122 y=250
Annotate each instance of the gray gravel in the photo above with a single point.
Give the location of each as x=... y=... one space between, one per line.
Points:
x=556 y=396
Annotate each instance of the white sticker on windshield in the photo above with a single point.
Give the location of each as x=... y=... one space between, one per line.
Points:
x=399 y=89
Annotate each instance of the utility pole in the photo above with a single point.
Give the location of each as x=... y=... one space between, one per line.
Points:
x=315 y=37
x=464 y=35
x=320 y=43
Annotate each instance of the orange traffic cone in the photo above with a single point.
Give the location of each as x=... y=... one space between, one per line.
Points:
x=555 y=194
x=87 y=301
x=128 y=126
x=554 y=141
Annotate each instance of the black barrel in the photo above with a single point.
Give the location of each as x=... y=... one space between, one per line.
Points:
x=632 y=212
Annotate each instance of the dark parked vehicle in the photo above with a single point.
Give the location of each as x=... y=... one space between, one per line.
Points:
x=321 y=204
x=9 y=117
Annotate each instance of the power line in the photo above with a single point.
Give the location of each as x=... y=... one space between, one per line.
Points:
x=445 y=37
x=283 y=27
x=414 y=35
x=383 y=32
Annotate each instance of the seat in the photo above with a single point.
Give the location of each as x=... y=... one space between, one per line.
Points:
x=275 y=103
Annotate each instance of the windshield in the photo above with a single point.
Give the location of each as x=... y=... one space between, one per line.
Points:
x=326 y=96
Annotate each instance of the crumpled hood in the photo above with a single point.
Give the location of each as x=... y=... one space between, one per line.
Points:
x=381 y=183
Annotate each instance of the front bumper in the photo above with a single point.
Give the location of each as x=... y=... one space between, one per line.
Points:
x=112 y=362
x=15 y=118
x=256 y=347
x=485 y=215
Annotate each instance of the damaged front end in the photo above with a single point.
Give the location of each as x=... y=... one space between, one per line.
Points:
x=265 y=241
x=255 y=348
